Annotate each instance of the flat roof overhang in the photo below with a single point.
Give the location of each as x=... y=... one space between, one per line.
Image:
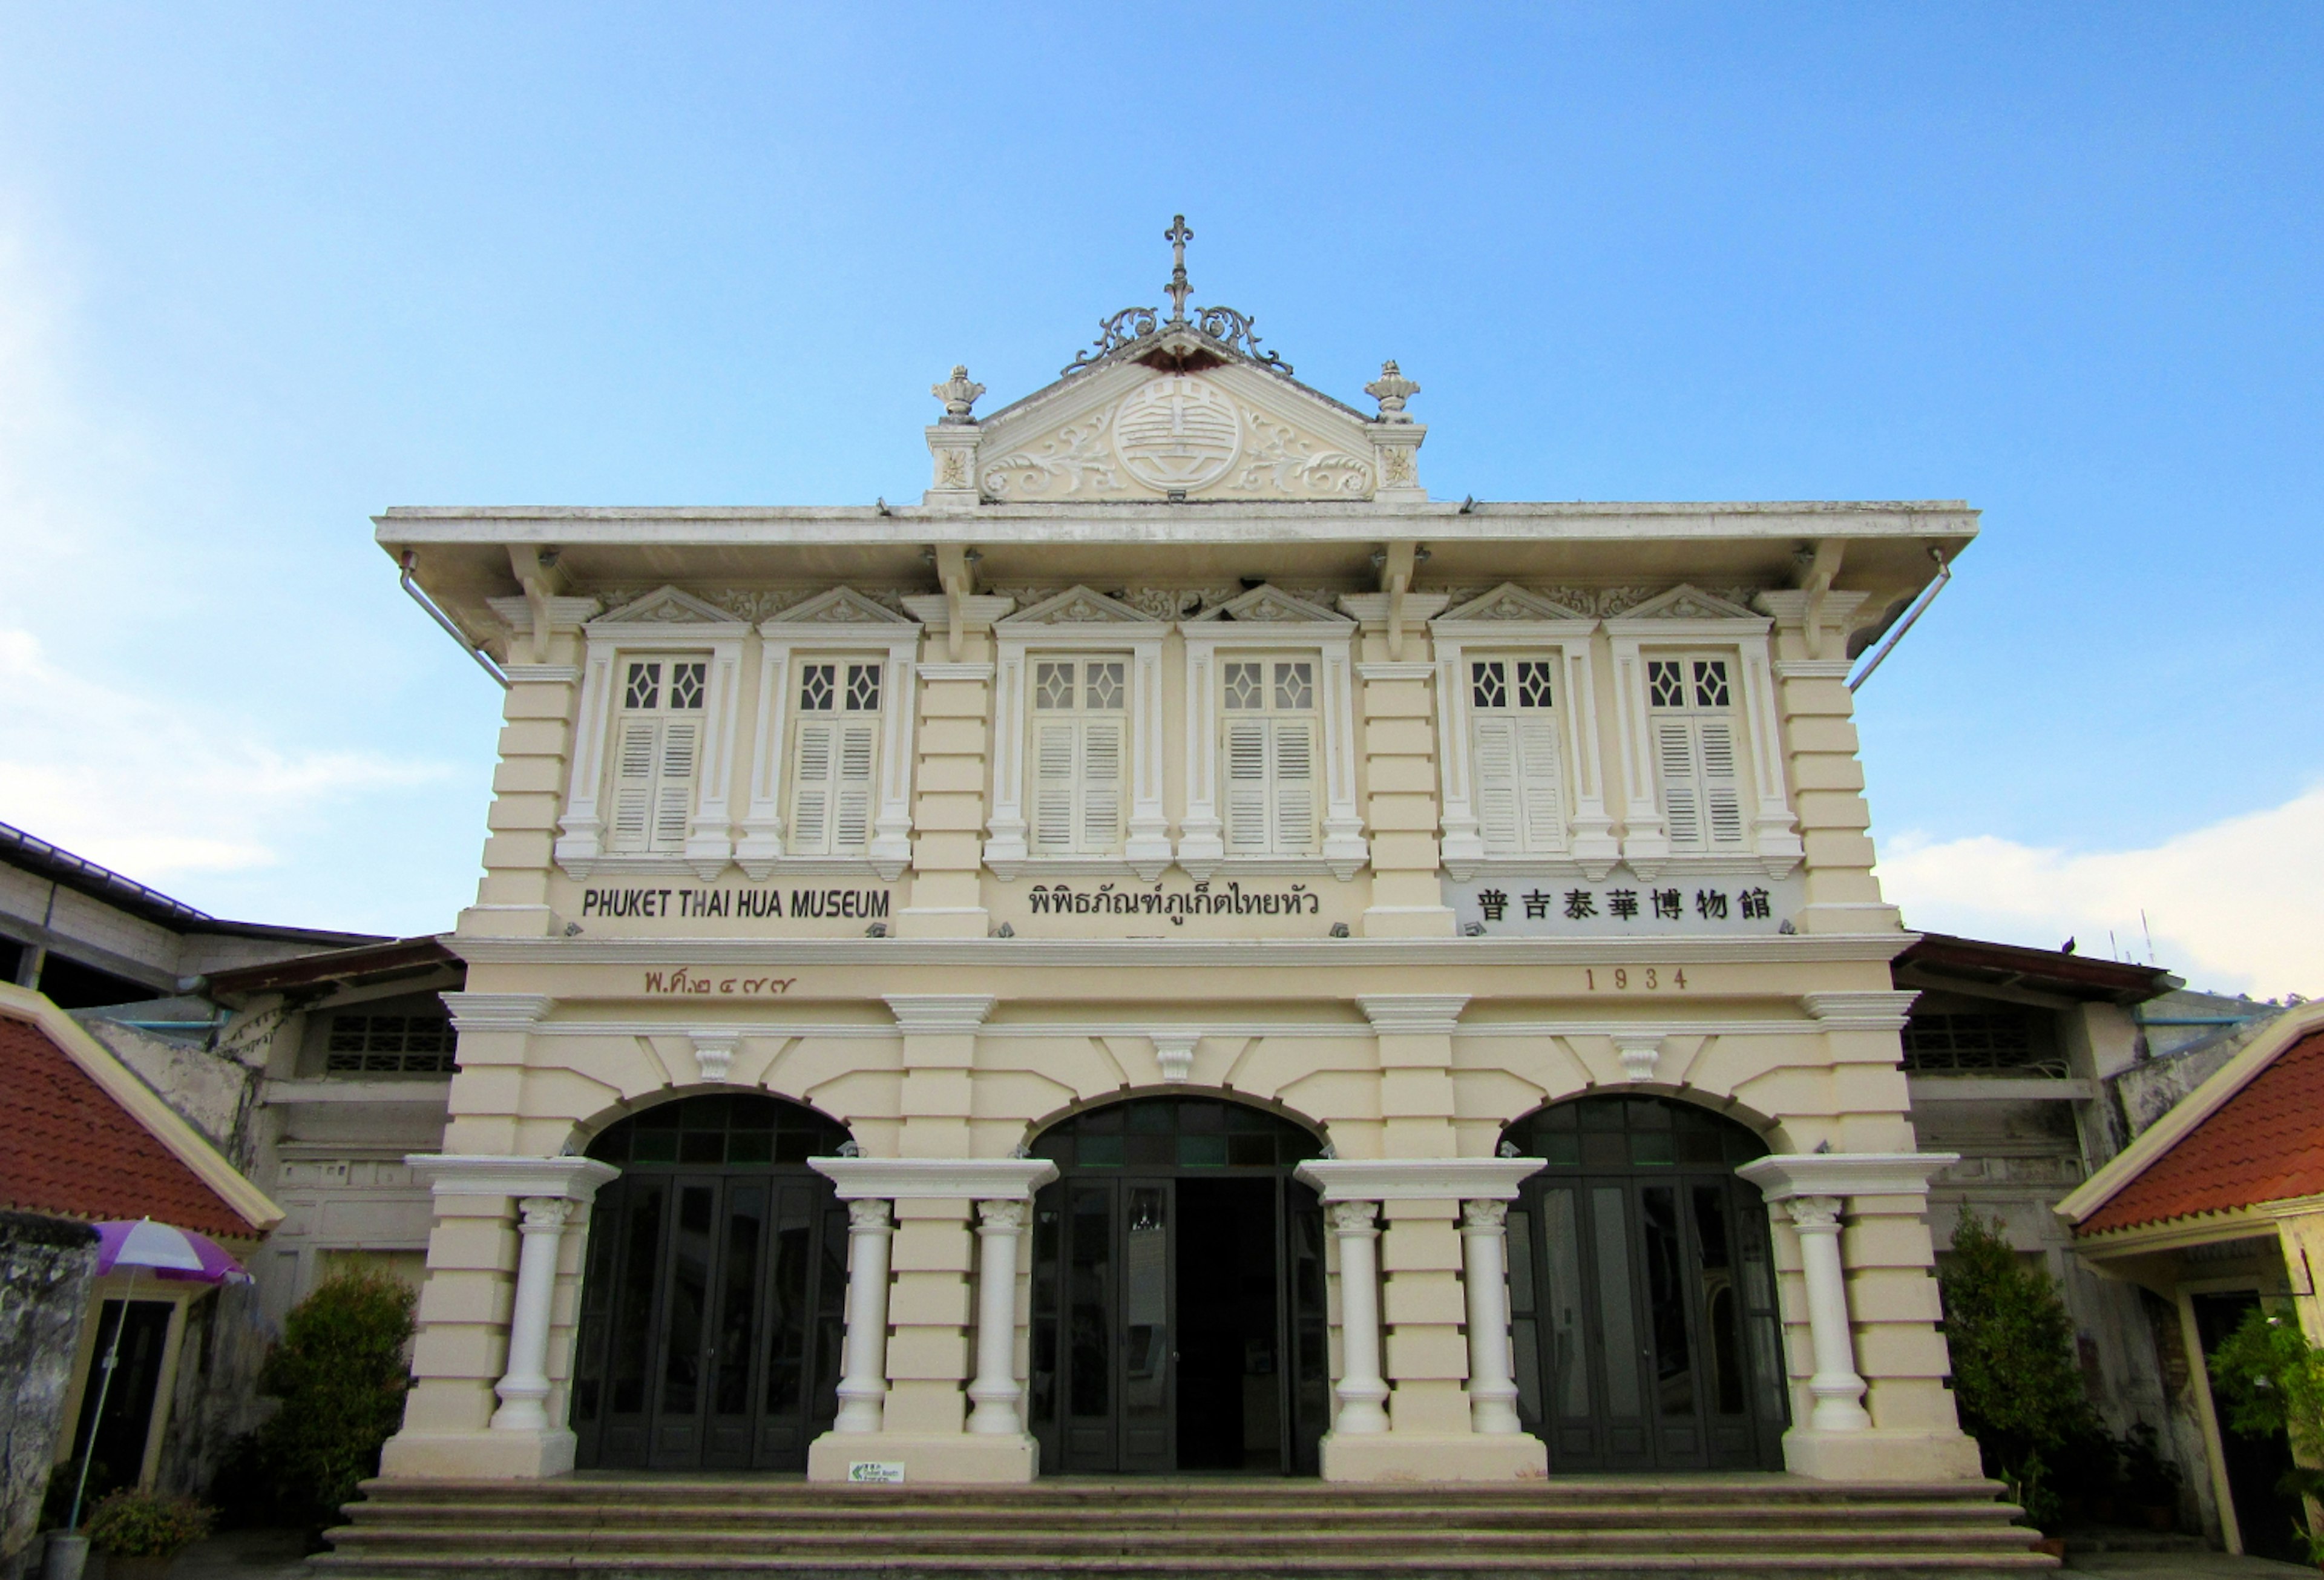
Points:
x=460 y=556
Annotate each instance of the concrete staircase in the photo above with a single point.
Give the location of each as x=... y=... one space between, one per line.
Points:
x=1596 y=1528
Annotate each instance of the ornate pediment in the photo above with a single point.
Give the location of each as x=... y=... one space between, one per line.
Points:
x=1078 y=607
x=1267 y=605
x=1509 y=601
x=1685 y=601
x=665 y=607
x=839 y=607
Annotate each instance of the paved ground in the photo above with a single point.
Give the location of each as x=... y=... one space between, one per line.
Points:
x=245 y=1554
x=2175 y=1566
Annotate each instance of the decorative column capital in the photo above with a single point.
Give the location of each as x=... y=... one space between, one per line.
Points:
x=1002 y=1217
x=1813 y=1213
x=870 y=1214
x=547 y=1214
x=1484 y=1216
x=1353 y=1217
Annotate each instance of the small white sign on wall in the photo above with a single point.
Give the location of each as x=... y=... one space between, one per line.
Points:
x=882 y=1472
x=1622 y=905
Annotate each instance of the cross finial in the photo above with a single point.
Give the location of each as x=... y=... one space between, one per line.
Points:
x=1178 y=290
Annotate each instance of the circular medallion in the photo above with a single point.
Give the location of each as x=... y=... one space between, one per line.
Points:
x=1176 y=433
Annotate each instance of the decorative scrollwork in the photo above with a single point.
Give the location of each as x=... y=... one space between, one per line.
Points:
x=1131 y=324
x=1234 y=330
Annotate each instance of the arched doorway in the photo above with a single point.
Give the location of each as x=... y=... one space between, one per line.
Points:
x=1178 y=1307
x=1642 y=1291
x=712 y=1294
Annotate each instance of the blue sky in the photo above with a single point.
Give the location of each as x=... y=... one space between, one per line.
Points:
x=267 y=270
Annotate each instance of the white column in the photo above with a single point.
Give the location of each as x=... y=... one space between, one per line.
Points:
x=863 y=1381
x=1362 y=1392
x=1484 y=1268
x=1839 y=1390
x=523 y=1387
x=995 y=1390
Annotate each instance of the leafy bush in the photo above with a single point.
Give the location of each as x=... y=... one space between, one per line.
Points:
x=2014 y=1378
x=142 y=1525
x=2273 y=1379
x=339 y=1371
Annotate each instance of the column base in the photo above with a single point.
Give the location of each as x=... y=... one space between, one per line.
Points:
x=952 y=1458
x=1875 y=1455
x=1430 y=1456
x=488 y=1456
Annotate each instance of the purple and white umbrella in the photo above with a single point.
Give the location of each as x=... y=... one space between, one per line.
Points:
x=165 y=1252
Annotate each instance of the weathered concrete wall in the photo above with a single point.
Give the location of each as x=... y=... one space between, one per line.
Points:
x=46 y=1265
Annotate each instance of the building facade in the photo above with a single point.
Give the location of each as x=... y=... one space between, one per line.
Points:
x=1179 y=951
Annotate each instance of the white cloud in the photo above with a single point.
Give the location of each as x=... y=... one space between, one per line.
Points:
x=2237 y=905
x=155 y=790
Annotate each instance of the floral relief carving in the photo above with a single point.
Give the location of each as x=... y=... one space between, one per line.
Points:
x=1396 y=467
x=1284 y=461
x=1076 y=459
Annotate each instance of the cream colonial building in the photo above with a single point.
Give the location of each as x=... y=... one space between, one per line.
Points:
x=1179 y=951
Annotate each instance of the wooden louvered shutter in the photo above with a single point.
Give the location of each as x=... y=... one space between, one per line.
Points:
x=634 y=756
x=1723 y=789
x=1247 y=786
x=1681 y=801
x=1498 y=813
x=674 y=792
x=1294 y=787
x=811 y=787
x=1101 y=784
x=1540 y=783
x=851 y=818
x=1052 y=785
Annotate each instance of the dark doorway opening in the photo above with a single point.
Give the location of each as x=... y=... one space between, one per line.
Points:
x=2269 y=1517
x=1178 y=1309
x=1642 y=1291
x=119 y=1459
x=712 y=1292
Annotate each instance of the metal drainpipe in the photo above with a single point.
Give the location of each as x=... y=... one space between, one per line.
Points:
x=1919 y=607
x=484 y=659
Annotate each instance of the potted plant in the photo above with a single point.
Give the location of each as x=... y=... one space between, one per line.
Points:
x=143 y=1533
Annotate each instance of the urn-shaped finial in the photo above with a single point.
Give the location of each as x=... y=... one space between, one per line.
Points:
x=958 y=393
x=1391 y=389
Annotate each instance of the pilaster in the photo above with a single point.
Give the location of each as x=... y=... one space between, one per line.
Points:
x=1396 y=722
x=1816 y=722
x=953 y=771
x=536 y=753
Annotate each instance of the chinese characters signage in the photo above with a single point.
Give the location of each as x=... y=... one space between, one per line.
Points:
x=1622 y=905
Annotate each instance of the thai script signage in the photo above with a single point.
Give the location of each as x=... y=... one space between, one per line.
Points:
x=1254 y=906
x=1623 y=905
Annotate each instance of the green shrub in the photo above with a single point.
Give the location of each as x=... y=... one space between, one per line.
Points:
x=142 y=1525
x=2273 y=1380
x=2014 y=1378
x=339 y=1371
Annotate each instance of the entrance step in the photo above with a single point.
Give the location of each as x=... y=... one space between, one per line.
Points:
x=1598 y=1527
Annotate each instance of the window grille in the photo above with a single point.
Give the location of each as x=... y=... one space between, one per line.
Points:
x=2011 y=1041
x=389 y=1044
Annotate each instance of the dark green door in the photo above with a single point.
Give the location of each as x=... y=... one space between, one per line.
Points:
x=1642 y=1291
x=713 y=1291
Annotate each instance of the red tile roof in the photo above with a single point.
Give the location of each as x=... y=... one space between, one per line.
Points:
x=67 y=1148
x=2264 y=1144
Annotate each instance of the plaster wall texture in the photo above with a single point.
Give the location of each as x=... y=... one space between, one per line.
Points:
x=46 y=1265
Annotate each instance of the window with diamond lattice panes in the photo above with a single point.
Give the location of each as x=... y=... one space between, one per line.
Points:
x=1690 y=701
x=1078 y=743
x=1514 y=748
x=834 y=749
x=657 y=753
x=1270 y=747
